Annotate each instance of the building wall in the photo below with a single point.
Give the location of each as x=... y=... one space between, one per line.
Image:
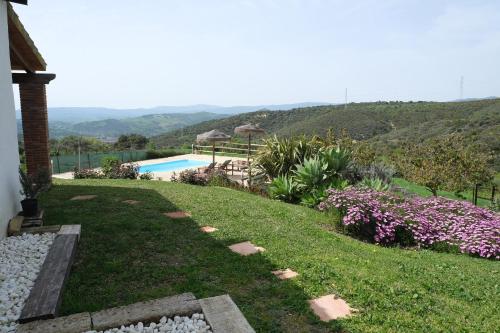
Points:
x=9 y=155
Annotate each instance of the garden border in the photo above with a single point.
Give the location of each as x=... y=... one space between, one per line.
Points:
x=220 y=312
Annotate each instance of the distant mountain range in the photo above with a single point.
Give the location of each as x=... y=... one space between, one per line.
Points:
x=82 y=114
x=106 y=123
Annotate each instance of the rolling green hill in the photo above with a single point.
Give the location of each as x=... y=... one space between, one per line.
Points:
x=147 y=125
x=384 y=123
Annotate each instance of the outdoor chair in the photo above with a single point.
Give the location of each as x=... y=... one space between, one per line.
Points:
x=207 y=169
x=224 y=166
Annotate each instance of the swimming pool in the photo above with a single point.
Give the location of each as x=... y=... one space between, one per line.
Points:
x=172 y=165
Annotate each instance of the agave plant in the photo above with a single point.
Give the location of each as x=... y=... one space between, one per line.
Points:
x=283 y=188
x=312 y=173
x=337 y=160
x=376 y=184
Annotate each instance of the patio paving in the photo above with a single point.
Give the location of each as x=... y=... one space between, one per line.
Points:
x=246 y=248
x=285 y=274
x=177 y=215
x=84 y=197
x=331 y=307
x=208 y=229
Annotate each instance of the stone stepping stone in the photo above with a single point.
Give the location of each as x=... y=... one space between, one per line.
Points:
x=84 y=197
x=131 y=202
x=285 y=274
x=246 y=248
x=331 y=307
x=177 y=215
x=208 y=229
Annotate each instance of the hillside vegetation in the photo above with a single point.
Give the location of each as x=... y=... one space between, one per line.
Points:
x=385 y=124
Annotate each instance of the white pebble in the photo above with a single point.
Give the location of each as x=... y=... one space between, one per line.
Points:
x=20 y=260
x=179 y=324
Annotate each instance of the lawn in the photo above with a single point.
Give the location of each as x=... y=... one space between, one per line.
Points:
x=130 y=253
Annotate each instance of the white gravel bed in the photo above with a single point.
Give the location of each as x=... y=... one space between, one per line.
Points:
x=195 y=324
x=20 y=260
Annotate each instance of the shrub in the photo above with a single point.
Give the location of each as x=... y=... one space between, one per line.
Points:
x=188 y=177
x=146 y=176
x=109 y=163
x=87 y=174
x=219 y=178
x=124 y=171
x=429 y=222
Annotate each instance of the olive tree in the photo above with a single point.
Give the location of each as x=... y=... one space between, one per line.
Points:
x=444 y=163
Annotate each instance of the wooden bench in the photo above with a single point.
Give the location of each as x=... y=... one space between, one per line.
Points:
x=45 y=297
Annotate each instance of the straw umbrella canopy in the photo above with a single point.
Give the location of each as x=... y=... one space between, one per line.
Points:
x=212 y=137
x=248 y=130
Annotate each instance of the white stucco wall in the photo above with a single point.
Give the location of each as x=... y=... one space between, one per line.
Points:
x=9 y=155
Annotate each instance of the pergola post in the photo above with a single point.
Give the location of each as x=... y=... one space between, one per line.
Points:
x=35 y=119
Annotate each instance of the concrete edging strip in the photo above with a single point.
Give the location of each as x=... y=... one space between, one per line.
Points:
x=76 y=323
x=146 y=312
x=220 y=312
x=223 y=316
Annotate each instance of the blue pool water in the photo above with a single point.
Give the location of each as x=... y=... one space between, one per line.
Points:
x=173 y=165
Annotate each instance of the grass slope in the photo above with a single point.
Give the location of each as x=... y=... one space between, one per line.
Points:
x=385 y=124
x=131 y=253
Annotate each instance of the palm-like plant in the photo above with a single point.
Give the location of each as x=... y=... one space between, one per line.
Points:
x=280 y=156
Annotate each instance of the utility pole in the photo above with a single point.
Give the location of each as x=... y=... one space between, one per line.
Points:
x=345 y=105
x=462 y=87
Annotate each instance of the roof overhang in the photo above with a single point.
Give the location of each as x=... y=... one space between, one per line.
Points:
x=24 y=55
x=22 y=2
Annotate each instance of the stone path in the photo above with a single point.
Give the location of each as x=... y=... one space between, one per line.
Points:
x=177 y=215
x=246 y=248
x=285 y=274
x=208 y=229
x=331 y=307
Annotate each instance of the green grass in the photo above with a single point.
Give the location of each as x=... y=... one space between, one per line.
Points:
x=423 y=192
x=130 y=253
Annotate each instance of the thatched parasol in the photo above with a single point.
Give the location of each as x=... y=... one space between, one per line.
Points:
x=212 y=136
x=248 y=130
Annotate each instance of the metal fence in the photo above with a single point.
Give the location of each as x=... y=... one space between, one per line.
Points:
x=484 y=192
x=227 y=148
x=84 y=160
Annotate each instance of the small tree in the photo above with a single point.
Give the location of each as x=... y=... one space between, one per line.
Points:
x=444 y=163
x=131 y=141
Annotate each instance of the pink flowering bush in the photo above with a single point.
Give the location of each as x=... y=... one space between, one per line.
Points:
x=386 y=218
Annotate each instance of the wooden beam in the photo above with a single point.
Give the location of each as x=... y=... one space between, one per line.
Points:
x=43 y=78
x=46 y=295
x=22 y=2
x=19 y=57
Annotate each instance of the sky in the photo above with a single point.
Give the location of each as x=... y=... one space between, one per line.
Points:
x=128 y=54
